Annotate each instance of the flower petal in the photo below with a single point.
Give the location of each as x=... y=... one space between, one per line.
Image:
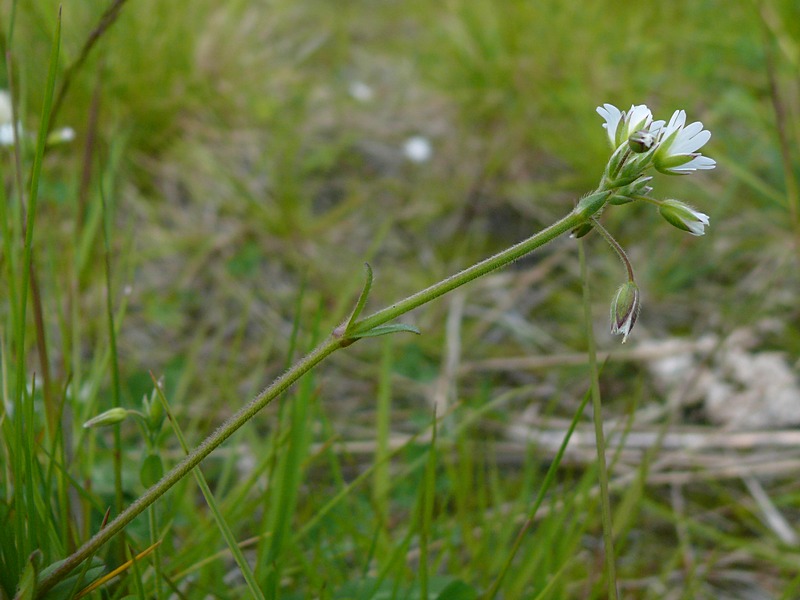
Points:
x=612 y=116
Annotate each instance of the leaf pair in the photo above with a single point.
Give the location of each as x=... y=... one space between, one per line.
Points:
x=351 y=331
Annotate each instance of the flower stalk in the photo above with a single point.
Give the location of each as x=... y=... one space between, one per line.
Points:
x=638 y=142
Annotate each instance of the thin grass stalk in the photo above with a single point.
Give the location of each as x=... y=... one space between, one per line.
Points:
x=222 y=524
x=25 y=499
x=540 y=496
x=427 y=494
x=284 y=493
x=381 y=480
x=782 y=121
x=602 y=471
x=115 y=381
x=104 y=23
x=262 y=556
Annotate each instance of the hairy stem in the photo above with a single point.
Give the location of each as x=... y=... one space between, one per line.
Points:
x=191 y=460
x=617 y=248
x=500 y=259
x=336 y=341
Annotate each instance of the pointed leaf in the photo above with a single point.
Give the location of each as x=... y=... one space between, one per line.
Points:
x=362 y=299
x=385 y=330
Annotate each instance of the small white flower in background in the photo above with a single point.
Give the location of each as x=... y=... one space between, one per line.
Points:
x=6 y=134
x=361 y=91
x=59 y=136
x=417 y=149
x=684 y=216
x=678 y=145
x=6 y=116
x=6 y=112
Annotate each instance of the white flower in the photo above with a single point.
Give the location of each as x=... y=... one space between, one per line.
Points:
x=6 y=134
x=684 y=216
x=678 y=145
x=613 y=116
x=417 y=149
x=5 y=108
x=621 y=125
x=361 y=91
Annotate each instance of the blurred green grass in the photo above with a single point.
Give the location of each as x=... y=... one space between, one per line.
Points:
x=240 y=166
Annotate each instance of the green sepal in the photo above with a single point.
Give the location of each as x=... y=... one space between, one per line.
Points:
x=664 y=165
x=385 y=330
x=673 y=218
x=582 y=230
x=618 y=200
x=592 y=203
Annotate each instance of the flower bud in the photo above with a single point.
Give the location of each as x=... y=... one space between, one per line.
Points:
x=684 y=216
x=154 y=410
x=110 y=417
x=641 y=141
x=625 y=309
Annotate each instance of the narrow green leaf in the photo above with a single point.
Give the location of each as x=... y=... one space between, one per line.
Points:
x=385 y=330
x=362 y=299
x=222 y=524
x=27 y=585
x=458 y=590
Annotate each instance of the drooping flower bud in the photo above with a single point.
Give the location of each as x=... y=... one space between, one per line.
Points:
x=683 y=216
x=625 y=309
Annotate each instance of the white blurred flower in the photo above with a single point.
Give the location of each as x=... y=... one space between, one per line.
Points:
x=6 y=112
x=61 y=136
x=417 y=149
x=361 y=91
x=684 y=216
x=6 y=134
x=678 y=145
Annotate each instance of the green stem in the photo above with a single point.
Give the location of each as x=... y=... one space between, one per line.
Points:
x=338 y=340
x=191 y=460
x=500 y=259
x=617 y=248
x=605 y=502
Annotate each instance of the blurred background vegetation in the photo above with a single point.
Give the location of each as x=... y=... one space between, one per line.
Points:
x=253 y=155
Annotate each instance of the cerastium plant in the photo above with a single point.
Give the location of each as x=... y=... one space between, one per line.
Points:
x=640 y=144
